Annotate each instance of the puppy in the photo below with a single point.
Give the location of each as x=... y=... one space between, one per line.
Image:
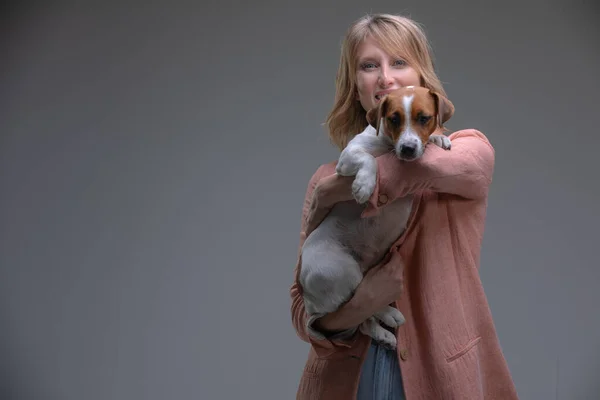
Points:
x=337 y=254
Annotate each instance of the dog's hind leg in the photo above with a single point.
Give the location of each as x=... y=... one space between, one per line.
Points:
x=328 y=277
x=371 y=328
x=390 y=316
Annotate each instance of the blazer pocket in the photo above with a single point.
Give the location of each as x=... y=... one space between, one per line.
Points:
x=468 y=347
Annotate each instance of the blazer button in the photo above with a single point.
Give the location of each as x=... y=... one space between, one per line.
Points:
x=383 y=199
x=404 y=354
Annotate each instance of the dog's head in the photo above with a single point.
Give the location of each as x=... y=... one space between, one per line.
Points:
x=409 y=116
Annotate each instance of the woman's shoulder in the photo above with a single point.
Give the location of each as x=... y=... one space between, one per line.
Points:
x=469 y=133
x=325 y=170
x=472 y=140
x=322 y=171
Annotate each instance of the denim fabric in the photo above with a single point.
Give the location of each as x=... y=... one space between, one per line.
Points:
x=380 y=378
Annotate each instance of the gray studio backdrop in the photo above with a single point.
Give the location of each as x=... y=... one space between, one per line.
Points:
x=153 y=163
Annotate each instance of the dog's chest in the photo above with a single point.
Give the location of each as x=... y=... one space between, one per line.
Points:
x=388 y=225
x=368 y=239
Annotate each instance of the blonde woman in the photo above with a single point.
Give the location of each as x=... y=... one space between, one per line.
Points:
x=448 y=347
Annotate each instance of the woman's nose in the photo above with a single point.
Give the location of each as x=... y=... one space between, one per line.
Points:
x=384 y=78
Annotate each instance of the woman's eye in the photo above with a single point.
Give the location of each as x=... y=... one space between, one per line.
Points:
x=400 y=63
x=368 y=65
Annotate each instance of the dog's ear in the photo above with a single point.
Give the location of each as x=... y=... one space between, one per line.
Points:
x=373 y=117
x=445 y=108
x=375 y=114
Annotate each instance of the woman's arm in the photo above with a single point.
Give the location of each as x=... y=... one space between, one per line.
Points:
x=382 y=285
x=465 y=170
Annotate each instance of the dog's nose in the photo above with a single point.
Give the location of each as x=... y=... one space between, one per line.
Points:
x=408 y=150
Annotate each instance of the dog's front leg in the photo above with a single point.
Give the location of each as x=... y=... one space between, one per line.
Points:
x=363 y=166
x=365 y=142
x=440 y=141
x=358 y=159
x=350 y=160
x=366 y=179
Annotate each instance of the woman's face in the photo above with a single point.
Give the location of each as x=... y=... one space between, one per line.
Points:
x=378 y=74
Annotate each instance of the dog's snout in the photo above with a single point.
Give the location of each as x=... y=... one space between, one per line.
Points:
x=408 y=150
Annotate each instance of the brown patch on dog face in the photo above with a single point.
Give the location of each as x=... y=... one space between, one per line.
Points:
x=385 y=110
x=424 y=113
x=392 y=112
x=395 y=118
x=428 y=111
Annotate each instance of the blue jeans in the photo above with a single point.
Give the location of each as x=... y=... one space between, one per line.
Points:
x=380 y=378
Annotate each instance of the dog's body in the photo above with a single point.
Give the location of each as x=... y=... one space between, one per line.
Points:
x=337 y=254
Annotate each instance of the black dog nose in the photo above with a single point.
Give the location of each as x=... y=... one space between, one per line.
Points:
x=408 y=150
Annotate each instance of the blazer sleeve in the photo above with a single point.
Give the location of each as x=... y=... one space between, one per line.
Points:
x=465 y=170
x=323 y=344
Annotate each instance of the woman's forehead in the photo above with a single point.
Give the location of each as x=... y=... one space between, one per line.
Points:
x=371 y=46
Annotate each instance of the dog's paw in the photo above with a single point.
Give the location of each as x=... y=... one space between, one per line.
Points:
x=385 y=338
x=346 y=167
x=391 y=316
x=363 y=186
x=382 y=336
x=441 y=141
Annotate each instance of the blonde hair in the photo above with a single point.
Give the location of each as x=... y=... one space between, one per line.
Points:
x=395 y=34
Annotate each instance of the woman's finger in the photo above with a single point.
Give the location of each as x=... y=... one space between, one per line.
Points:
x=316 y=215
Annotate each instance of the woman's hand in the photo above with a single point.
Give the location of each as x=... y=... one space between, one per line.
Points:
x=328 y=191
x=382 y=284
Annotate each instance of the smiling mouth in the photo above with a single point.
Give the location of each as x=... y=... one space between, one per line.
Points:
x=382 y=95
x=388 y=91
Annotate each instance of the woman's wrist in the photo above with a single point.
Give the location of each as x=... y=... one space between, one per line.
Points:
x=348 y=316
x=333 y=189
x=343 y=190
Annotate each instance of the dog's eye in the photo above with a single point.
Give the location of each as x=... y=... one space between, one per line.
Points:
x=395 y=119
x=423 y=119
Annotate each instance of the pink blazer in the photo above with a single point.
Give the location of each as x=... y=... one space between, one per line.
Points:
x=448 y=348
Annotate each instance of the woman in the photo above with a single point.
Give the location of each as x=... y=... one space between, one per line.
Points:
x=448 y=347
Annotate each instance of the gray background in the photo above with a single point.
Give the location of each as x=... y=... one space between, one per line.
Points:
x=153 y=163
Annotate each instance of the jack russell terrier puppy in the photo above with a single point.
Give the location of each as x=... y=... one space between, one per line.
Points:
x=337 y=254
